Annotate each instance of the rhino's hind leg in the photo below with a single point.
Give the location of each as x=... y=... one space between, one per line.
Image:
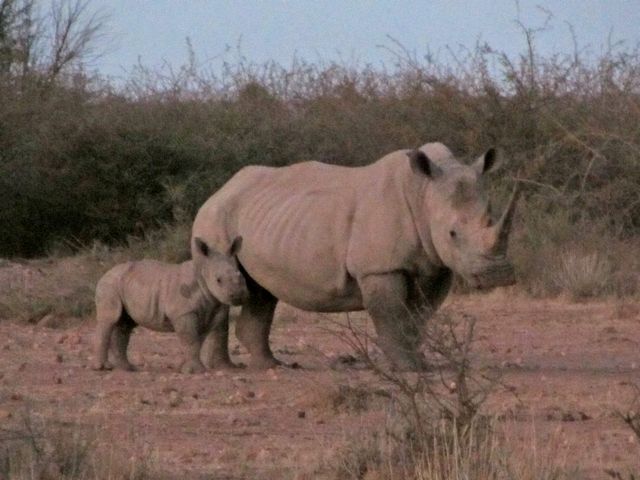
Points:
x=108 y=311
x=120 y=342
x=254 y=325
x=399 y=334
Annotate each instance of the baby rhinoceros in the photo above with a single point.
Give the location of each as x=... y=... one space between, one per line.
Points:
x=190 y=299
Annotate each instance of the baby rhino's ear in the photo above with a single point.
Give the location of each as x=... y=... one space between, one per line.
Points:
x=235 y=246
x=202 y=247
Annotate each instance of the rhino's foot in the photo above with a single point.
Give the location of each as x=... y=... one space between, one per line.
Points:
x=102 y=366
x=266 y=363
x=193 y=366
x=222 y=362
x=125 y=366
x=228 y=366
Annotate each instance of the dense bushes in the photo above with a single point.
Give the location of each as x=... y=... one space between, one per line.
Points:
x=84 y=160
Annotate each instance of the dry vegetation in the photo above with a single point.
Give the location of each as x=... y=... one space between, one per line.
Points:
x=547 y=407
x=435 y=428
x=33 y=448
x=85 y=160
x=92 y=174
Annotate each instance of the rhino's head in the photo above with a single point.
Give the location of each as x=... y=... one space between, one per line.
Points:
x=456 y=214
x=220 y=272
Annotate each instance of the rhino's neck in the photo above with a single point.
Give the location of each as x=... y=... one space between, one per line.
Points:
x=415 y=193
x=201 y=294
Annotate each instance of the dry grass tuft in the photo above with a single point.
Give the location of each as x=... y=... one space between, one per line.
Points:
x=441 y=453
x=63 y=285
x=584 y=275
x=434 y=426
x=37 y=449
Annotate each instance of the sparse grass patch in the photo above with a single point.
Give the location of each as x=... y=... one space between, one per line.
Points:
x=441 y=452
x=584 y=274
x=64 y=284
x=555 y=253
x=33 y=307
x=631 y=418
x=434 y=427
x=38 y=449
x=169 y=243
x=62 y=288
x=347 y=399
x=354 y=399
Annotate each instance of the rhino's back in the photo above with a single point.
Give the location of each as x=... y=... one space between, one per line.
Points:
x=311 y=230
x=295 y=222
x=150 y=292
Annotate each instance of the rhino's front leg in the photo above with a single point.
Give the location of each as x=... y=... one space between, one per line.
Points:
x=109 y=311
x=215 y=349
x=254 y=325
x=120 y=337
x=385 y=297
x=190 y=335
x=102 y=340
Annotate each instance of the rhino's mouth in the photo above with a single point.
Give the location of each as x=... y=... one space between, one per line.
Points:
x=497 y=275
x=239 y=298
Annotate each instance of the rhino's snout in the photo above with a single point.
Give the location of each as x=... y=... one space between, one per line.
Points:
x=240 y=293
x=501 y=275
x=239 y=298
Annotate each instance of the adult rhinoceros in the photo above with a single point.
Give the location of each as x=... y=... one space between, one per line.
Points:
x=385 y=237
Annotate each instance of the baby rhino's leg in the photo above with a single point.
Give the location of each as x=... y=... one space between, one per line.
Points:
x=120 y=342
x=215 y=349
x=108 y=311
x=190 y=335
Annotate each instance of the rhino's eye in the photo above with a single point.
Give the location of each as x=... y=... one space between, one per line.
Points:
x=453 y=234
x=219 y=279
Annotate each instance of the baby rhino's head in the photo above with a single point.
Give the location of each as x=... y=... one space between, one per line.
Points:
x=220 y=272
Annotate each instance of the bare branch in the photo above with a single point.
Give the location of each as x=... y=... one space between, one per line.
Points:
x=74 y=35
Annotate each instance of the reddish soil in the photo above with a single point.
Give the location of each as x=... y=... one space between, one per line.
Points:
x=570 y=365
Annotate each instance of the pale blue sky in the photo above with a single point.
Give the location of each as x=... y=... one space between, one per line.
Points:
x=155 y=30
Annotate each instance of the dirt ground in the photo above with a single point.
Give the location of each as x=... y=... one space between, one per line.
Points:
x=571 y=366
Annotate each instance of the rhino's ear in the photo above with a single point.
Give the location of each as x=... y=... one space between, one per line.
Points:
x=202 y=247
x=235 y=246
x=422 y=164
x=485 y=162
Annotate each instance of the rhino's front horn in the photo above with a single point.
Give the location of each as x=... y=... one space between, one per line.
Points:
x=503 y=227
